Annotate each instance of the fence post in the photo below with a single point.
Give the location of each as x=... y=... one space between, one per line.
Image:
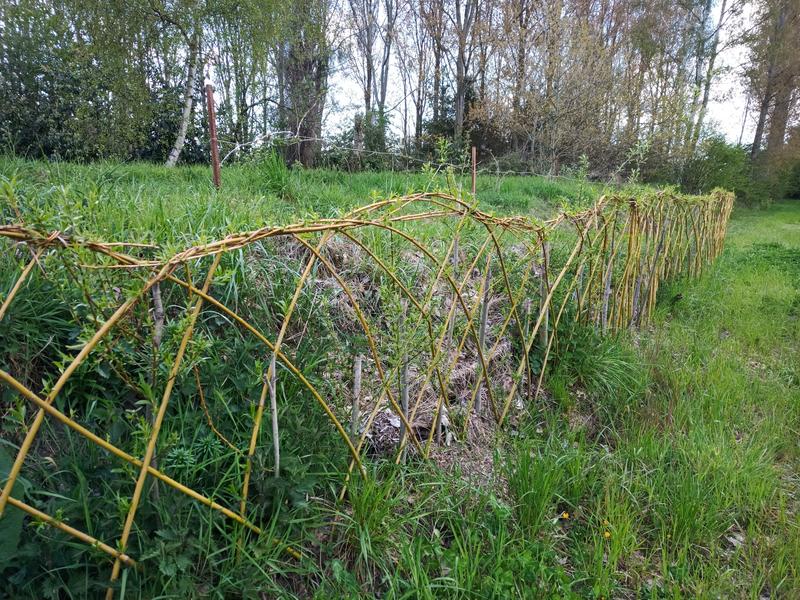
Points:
x=212 y=128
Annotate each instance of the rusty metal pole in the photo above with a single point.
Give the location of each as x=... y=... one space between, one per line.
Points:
x=212 y=128
x=474 y=167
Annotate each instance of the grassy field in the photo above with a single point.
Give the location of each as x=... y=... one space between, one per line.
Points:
x=660 y=464
x=136 y=201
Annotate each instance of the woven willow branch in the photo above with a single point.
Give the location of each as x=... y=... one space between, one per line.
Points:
x=606 y=263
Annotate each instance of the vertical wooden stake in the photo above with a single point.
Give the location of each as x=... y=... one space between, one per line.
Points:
x=273 y=399
x=452 y=322
x=212 y=128
x=158 y=332
x=607 y=285
x=544 y=291
x=482 y=330
x=404 y=406
x=354 y=415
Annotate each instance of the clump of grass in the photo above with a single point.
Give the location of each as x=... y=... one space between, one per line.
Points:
x=609 y=368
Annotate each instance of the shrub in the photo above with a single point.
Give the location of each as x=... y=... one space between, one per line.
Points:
x=720 y=164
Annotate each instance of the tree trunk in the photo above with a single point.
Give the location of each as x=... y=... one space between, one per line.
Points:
x=773 y=68
x=712 y=58
x=779 y=118
x=464 y=23
x=699 y=60
x=437 y=81
x=188 y=99
x=762 y=114
x=519 y=80
x=391 y=17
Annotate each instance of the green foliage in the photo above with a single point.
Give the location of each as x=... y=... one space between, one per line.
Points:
x=724 y=165
x=81 y=97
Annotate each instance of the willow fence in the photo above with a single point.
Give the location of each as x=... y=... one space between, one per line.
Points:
x=477 y=299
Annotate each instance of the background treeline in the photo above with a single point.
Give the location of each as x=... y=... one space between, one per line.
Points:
x=612 y=87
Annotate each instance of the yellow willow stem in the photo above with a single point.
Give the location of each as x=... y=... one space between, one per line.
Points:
x=284 y=359
x=20 y=280
x=595 y=279
x=84 y=537
x=268 y=376
x=595 y=272
x=552 y=339
x=553 y=288
x=110 y=448
x=209 y=420
x=621 y=295
x=162 y=410
x=62 y=380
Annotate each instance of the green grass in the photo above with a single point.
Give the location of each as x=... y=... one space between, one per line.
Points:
x=661 y=464
x=146 y=202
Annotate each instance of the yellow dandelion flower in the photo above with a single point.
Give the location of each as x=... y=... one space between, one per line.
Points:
x=565 y=515
x=606 y=534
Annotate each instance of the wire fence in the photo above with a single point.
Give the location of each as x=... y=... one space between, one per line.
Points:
x=338 y=155
x=458 y=312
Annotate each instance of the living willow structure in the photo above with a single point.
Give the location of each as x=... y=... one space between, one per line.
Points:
x=449 y=314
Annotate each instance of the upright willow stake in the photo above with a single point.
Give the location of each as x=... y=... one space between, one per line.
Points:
x=652 y=279
x=18 y=284
x=608 y=272
x=482 y=326
x=265 y=387
x=158 y=332
x=544 y=288
x=162 y=410
x=273 y=401
x=354 y=414
x=404 y=406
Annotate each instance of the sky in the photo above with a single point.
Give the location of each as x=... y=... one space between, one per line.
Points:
x=728 y=102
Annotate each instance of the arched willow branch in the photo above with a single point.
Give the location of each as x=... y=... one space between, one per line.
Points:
x=605 y=264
